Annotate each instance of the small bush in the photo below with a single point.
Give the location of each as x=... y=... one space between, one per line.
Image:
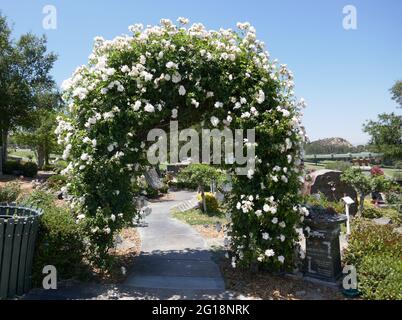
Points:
x=373 y=212
x=60 y=239
x=10 y=166
x=56 y=181
x=210 y=201
x=376 y=171
x=39 y=199
x=48 y=167
x=30 y=169
x=322 y=201
x=375 y=251
x=10 y=192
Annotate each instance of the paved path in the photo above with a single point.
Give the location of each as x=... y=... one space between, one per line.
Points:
x=175 y=263
x=175 y=260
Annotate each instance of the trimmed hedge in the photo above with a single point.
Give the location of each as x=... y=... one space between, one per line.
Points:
x=28 y=169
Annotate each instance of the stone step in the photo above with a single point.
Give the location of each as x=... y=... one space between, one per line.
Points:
x=176 y=282
x=175 y=267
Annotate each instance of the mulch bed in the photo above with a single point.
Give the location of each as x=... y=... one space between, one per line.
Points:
x=123 y=258
x=266 y=286
x=209 y=231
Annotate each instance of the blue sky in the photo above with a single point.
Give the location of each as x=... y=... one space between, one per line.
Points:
x=344 y=75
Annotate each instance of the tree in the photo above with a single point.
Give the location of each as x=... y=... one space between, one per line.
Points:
x=386 y=135
x=40 y=134
x=25 y=66
x=365 y=184
x=396 y=92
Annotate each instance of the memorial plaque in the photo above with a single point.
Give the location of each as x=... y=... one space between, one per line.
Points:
x=323 y=257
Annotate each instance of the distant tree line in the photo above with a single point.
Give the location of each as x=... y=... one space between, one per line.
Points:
x=318 y=147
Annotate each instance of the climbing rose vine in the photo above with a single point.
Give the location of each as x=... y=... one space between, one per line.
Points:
x=220 y=79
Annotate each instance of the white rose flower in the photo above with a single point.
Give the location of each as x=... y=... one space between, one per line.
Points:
x=281 y=259
x=265 y=236
x=85 y=157
x=195 y=103
x=149 y=108
x=260 y=97
x=171 y=65
x=125 y=69
x=214 y=121
x=258 y=213
x=176 y=78
x=218 y=104
x=137 y=105
x=269 y=253
x=275 y=220
x=182 y=91
x=183 y=21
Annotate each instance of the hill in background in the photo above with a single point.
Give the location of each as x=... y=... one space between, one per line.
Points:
x=331 y=145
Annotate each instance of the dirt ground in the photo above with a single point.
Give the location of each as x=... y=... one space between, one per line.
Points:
x=266 y=286
x=25 y=183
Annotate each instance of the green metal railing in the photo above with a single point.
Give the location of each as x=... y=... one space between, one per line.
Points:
x=18 y=231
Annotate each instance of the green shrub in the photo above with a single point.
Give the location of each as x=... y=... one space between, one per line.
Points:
x=375 y=251
x=210 y=202
x=373 y=212
x=30 y=169
x=60 y=240
x=10 y=166
x=338 y=165
x=56 y=181
x=60 y=165
x=381 y=277
x=39 y=199
x=164 y=188
x=10 y=192
x=393 y=197
x=48 y=167
x=323 y=201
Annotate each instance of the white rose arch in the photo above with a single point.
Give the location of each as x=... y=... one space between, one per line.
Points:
x=223 y=78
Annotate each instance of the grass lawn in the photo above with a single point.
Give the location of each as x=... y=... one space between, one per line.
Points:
x=25 y=154
x=313 y=166
x=197 y=217
x=390 y=172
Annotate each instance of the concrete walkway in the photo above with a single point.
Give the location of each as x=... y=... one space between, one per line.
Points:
x=175 y=261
